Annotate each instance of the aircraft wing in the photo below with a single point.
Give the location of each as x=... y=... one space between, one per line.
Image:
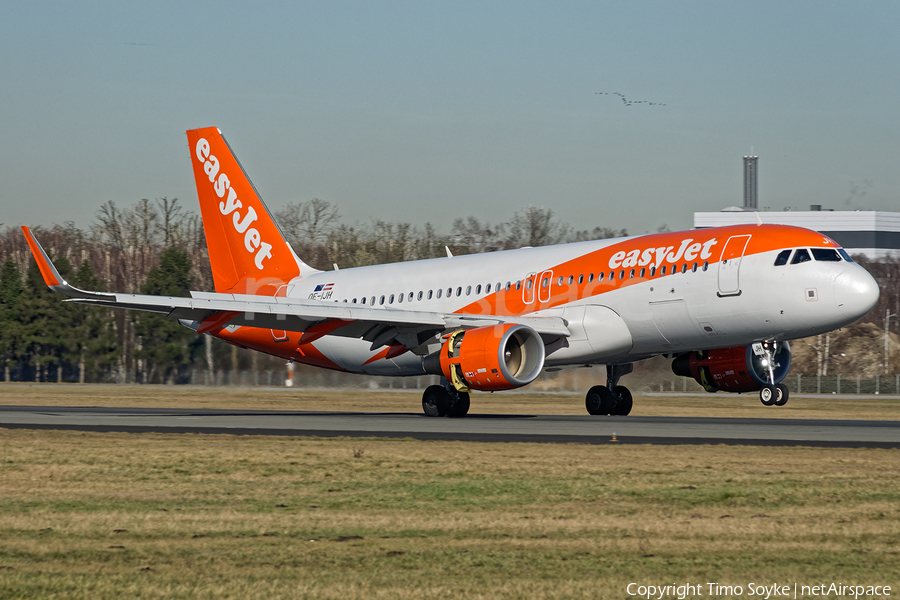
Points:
x=205 y=312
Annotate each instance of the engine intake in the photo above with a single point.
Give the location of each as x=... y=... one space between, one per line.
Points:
x=493 y=358
x=737 y=369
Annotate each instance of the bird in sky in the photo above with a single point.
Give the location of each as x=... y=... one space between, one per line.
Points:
x=628 y=102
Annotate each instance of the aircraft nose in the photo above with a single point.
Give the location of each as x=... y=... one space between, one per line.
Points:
x=856 y=292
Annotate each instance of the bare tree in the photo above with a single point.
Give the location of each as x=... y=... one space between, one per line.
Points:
x=534 y=227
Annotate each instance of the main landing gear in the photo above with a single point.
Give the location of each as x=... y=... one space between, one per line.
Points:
x=612 y=398
x=438 y=401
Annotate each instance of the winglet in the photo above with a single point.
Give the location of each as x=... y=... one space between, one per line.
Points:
x=51 y=276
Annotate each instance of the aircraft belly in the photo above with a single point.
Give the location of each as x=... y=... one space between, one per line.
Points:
x=598 y=334
x=352 y=354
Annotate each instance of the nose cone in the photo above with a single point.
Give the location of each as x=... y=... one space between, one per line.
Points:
x=856 y=292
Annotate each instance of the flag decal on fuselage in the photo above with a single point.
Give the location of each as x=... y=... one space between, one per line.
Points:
x=323 y=291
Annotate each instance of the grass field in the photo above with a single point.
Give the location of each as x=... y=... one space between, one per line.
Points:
x=115 y=515
x=709 y=405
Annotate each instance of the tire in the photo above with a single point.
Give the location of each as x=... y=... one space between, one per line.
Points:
x=768 y=394
x=599 y=400
x=460 y=407
x=783 y=395
x=435 y=401
x=624 y=402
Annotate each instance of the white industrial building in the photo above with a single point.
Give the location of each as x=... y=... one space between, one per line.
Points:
x=875 y=234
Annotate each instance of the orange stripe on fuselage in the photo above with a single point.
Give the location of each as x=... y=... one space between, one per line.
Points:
x=669 y=249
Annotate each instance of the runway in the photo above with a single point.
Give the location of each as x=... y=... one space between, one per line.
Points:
x=477 y=428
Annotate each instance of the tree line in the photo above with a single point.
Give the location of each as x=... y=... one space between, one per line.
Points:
x=158 y=247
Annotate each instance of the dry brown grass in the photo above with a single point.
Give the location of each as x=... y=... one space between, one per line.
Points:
x=86 y=515
x=709 y=405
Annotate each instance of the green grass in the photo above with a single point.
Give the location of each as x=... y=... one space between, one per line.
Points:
x=85 y=515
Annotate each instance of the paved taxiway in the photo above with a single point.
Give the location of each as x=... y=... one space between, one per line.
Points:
x=475 y=427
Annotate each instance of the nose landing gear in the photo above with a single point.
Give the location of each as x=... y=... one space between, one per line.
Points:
x=771 y=393
x=612 y=398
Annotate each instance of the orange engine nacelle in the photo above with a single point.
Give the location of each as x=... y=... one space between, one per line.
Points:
x=493 y=358
x=738 y=369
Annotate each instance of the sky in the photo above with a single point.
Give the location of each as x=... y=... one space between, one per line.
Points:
x=428 y=111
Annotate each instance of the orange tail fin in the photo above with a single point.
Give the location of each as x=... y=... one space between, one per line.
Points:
x=247 y=250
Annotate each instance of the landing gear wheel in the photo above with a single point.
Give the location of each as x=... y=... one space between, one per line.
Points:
x=599 y=400
x=458 y=407
x=624 y=401
x=768 y=394
x=782 y=395
x=436 y=401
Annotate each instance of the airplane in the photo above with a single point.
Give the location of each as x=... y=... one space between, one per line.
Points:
x=722 y=303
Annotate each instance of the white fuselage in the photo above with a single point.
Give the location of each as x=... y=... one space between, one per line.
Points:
x=704 y=304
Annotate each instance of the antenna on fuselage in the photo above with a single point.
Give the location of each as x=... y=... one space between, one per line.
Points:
x=449 y=254
x=758 y=219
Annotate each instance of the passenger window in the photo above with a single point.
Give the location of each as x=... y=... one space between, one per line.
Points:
x=518 y=285
x=459 y=291
x=631 y=275
x=705 y=265
x=487 y=289
x=590 y=277
x=372 y=302
x=599 y=277
x=449 y=292
x=800 y=256
x=381 y=301
x=571 y=279
x=560 y=280
x=580 y=279
x=652 y=271
x=694 y=268
x=643 y=272
x=430 y=294
x=545 y=282
x=391 y=301
x=826 y=254
x=419 y=297
x=528 y=283
x=662 y=271
x=508 y=286
x=622 y=274
x=782 y=258
x=684 y=268
x=400 y=298
x=468 y=290
x=478 y=289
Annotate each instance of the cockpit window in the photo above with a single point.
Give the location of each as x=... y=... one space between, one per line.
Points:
x=782 y=258
x=826 y=254
x=844 y=254
x=801 y=256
